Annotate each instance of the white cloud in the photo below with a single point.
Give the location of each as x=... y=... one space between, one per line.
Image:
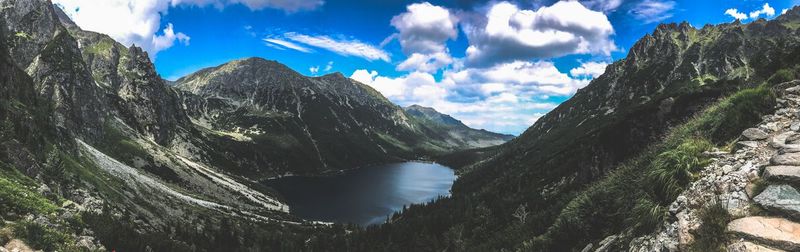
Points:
x=602 y=5
x=504 y=98
x=286 y=44
x=765 y=10
x=651 y=11
x=343 y=47
x=425 y=62
x=733 y=12
x=314 y=70
x=328 y=67
x=423 y=31
x=589 y=69
x=508 y=33
x=784 y=11
x=161 y=42
x=138 y=21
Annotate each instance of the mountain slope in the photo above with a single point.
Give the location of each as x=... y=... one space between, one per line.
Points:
x=291 y=117
x=558 y=173
x=457 y=130
x=98 y=150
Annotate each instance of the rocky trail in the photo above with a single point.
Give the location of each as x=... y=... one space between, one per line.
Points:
x=755 y=183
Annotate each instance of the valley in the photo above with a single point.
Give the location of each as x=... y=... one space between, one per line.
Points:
x=98 y=152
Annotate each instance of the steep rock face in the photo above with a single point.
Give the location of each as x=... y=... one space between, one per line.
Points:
x=145 y=100
x=51 y=56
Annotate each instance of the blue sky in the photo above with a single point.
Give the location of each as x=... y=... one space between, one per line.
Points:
x=493 y=64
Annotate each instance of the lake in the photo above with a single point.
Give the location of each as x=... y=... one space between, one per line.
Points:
x=364 y=196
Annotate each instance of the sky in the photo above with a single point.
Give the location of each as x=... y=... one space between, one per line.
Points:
x=495 y=65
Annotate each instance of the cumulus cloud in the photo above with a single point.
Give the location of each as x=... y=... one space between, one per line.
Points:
x=422 y=32
x=733 y=12
x=425 y=62
x=141 y=20
x=589 y=69
x=314 y=70
x=506 y=97
x=765 y=10
x=328 y=67
x=507 y=33
x=651 y=11
x=344 y=47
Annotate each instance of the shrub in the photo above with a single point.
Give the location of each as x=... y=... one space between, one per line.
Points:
x=782 y=76
x=646 y=215
x=710 y=236
x=41 y=237
x=674 y=169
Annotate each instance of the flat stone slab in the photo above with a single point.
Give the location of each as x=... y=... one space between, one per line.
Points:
x=783 y=199
x=783 y=173
x=775 y=232
x=755 y=134
x=791 y=158
x=746 y=246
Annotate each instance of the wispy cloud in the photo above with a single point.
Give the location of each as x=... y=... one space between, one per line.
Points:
x=651 y=11
x=343 y=47
x=287 y=44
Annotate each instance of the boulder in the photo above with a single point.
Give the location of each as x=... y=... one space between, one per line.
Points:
x=792 y=158
x=782 y=199
x=775 y=232
x=783 y=173
x=755 y=134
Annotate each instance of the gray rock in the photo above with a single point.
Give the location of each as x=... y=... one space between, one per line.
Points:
x=783 y=173
x=793 y=139
x=754 y=134
x=782 y=199
x=795 y=126
x=746 y=144
x=775 y=232
x=792 y=158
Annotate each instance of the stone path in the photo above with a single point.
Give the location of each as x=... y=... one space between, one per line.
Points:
x=767 y=159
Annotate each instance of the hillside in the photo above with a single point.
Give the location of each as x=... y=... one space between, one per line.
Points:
x=455 y=129
x=99 y=151
x=289 y=117
x=600 y=163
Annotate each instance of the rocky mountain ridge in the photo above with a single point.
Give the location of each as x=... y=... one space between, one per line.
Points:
x=98 y=150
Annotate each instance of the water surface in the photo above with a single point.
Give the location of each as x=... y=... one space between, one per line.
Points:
x=364 y=196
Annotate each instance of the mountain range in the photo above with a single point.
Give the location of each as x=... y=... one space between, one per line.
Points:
x=98 y=152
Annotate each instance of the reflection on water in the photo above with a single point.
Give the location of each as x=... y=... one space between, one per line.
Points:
x=364 y=196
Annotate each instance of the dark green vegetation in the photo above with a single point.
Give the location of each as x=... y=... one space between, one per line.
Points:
x=610 y=160
x=711 y=234
x=94 y=142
